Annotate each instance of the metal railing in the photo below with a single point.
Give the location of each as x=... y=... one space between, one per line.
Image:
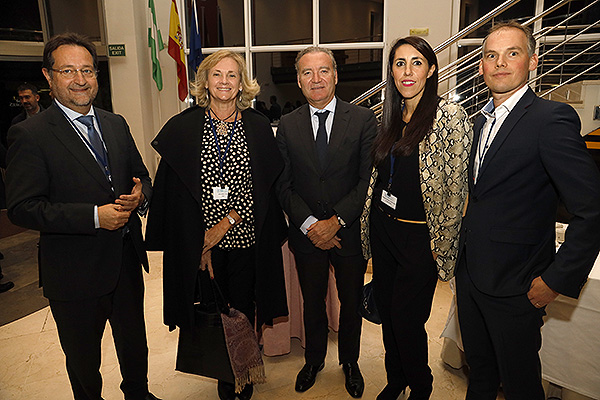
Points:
x=558 y=52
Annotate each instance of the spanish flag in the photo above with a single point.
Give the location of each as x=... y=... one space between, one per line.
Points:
x=176 y=50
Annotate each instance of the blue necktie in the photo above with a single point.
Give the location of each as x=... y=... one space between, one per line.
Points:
x=322 y=137
x=93 y=135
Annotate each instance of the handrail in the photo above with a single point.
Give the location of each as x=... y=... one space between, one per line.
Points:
x=569 y=80
x=476 y=24
x=462 y=33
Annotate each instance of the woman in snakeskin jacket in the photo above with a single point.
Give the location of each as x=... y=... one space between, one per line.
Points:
x=413 y=209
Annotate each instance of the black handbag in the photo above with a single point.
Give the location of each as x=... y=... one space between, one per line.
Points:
x=202 y=349
x=368 y=308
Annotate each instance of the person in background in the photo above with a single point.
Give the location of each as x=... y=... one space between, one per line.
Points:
x=214 y=203
x=29 y=98
x=75 y=174
x=326 y=146
x=414 y=209
x=275 y=110
x=527 y=153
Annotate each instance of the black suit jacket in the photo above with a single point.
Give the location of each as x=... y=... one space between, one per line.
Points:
x=53 y=183
x=340 y=187
x=508 y=231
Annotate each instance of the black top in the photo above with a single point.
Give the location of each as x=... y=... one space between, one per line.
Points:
x=406 y=187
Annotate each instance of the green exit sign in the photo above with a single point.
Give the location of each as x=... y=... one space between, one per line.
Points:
x=116 y=50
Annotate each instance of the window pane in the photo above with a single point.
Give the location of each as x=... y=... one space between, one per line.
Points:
x=20 y=20
x=281 y=22
x=74 y=16
x=351 y=21
x=221 y=22
x=358 y=71
x=471 y=10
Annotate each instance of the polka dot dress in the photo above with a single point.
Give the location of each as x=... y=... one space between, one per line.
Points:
x=236 y=175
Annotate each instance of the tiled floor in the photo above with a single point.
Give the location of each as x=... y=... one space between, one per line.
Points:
x=32 y=362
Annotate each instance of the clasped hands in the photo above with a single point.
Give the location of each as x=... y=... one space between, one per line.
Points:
x=115 y=215
x=322 y=233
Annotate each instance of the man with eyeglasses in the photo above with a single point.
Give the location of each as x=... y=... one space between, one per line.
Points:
x=75 y=174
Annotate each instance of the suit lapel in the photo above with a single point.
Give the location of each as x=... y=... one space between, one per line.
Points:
x=507 y=127
x=338 y=130
x=304 y=127
x=66 y=134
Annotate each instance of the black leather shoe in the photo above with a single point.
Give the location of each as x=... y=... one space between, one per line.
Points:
x=355 y=384
x=5 y=287
x=150 y=396
x=390 y=392
x=246 y=392
x=226 y=390
x=306 y=377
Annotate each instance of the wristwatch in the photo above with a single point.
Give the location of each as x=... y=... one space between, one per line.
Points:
x=341 y=221
x=231 y=220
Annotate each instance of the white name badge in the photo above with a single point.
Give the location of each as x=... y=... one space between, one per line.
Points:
x=220 y=193
x=389 y=199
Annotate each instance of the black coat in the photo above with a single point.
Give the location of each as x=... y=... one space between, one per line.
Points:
x=175 y=221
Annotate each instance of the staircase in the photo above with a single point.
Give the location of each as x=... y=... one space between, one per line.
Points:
x=568 y=38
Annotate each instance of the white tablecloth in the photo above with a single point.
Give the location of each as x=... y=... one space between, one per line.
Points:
x=571 y=340
x=570 y=352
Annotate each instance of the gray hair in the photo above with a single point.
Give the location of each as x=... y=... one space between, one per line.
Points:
x=315 y=49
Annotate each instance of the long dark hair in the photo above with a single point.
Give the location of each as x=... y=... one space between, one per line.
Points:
x=422 y=119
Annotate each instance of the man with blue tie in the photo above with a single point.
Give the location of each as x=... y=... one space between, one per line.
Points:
x=75 y=174
x=326 y=147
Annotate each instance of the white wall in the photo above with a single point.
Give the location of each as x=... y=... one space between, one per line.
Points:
x=134 y=93
x=590 y=94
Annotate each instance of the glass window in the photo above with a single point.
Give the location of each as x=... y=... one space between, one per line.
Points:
x=74 y=16
x=281 y=22
x=471 y=10
x=20 y=20
x=351 y=21
x=358 y=71
x=221 y=22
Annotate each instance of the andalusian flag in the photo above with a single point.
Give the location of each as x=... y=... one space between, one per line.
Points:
x=156 y=44
x=176 y=50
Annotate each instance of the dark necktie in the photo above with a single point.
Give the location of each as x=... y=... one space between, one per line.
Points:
x=322 y=137
x=93 y=135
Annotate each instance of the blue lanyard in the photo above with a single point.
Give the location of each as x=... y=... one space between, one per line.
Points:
x=102 y=158
x=214 y=131
x=392 y=162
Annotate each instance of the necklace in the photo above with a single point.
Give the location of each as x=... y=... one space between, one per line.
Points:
x=222 y=119
x=221 y=125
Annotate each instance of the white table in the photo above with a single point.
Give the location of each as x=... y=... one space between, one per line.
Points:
x=570 y=352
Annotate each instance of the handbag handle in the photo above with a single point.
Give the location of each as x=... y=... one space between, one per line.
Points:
x=221 y=305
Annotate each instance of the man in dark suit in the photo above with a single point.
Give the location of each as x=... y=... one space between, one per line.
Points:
x=527 y=154
x=326 y=147
x=75 y=174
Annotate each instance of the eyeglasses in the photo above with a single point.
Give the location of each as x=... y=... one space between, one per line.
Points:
x=71 y=73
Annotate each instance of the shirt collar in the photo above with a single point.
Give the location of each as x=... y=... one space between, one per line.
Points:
x=71 y=114
x=329 y=107
x=490 y=112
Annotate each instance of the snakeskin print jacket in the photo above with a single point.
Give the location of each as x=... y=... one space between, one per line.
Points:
x=443 y=159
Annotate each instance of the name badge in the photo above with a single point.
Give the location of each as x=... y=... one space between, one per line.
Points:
x=389 y=199
x=220 y=193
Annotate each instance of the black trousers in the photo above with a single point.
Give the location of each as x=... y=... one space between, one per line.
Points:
x=313 y=274
x=404 y=279
x=81 y=327
x=502 y=339
x=235 y=273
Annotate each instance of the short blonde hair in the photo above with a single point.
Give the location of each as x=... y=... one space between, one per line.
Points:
x=250 y=87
